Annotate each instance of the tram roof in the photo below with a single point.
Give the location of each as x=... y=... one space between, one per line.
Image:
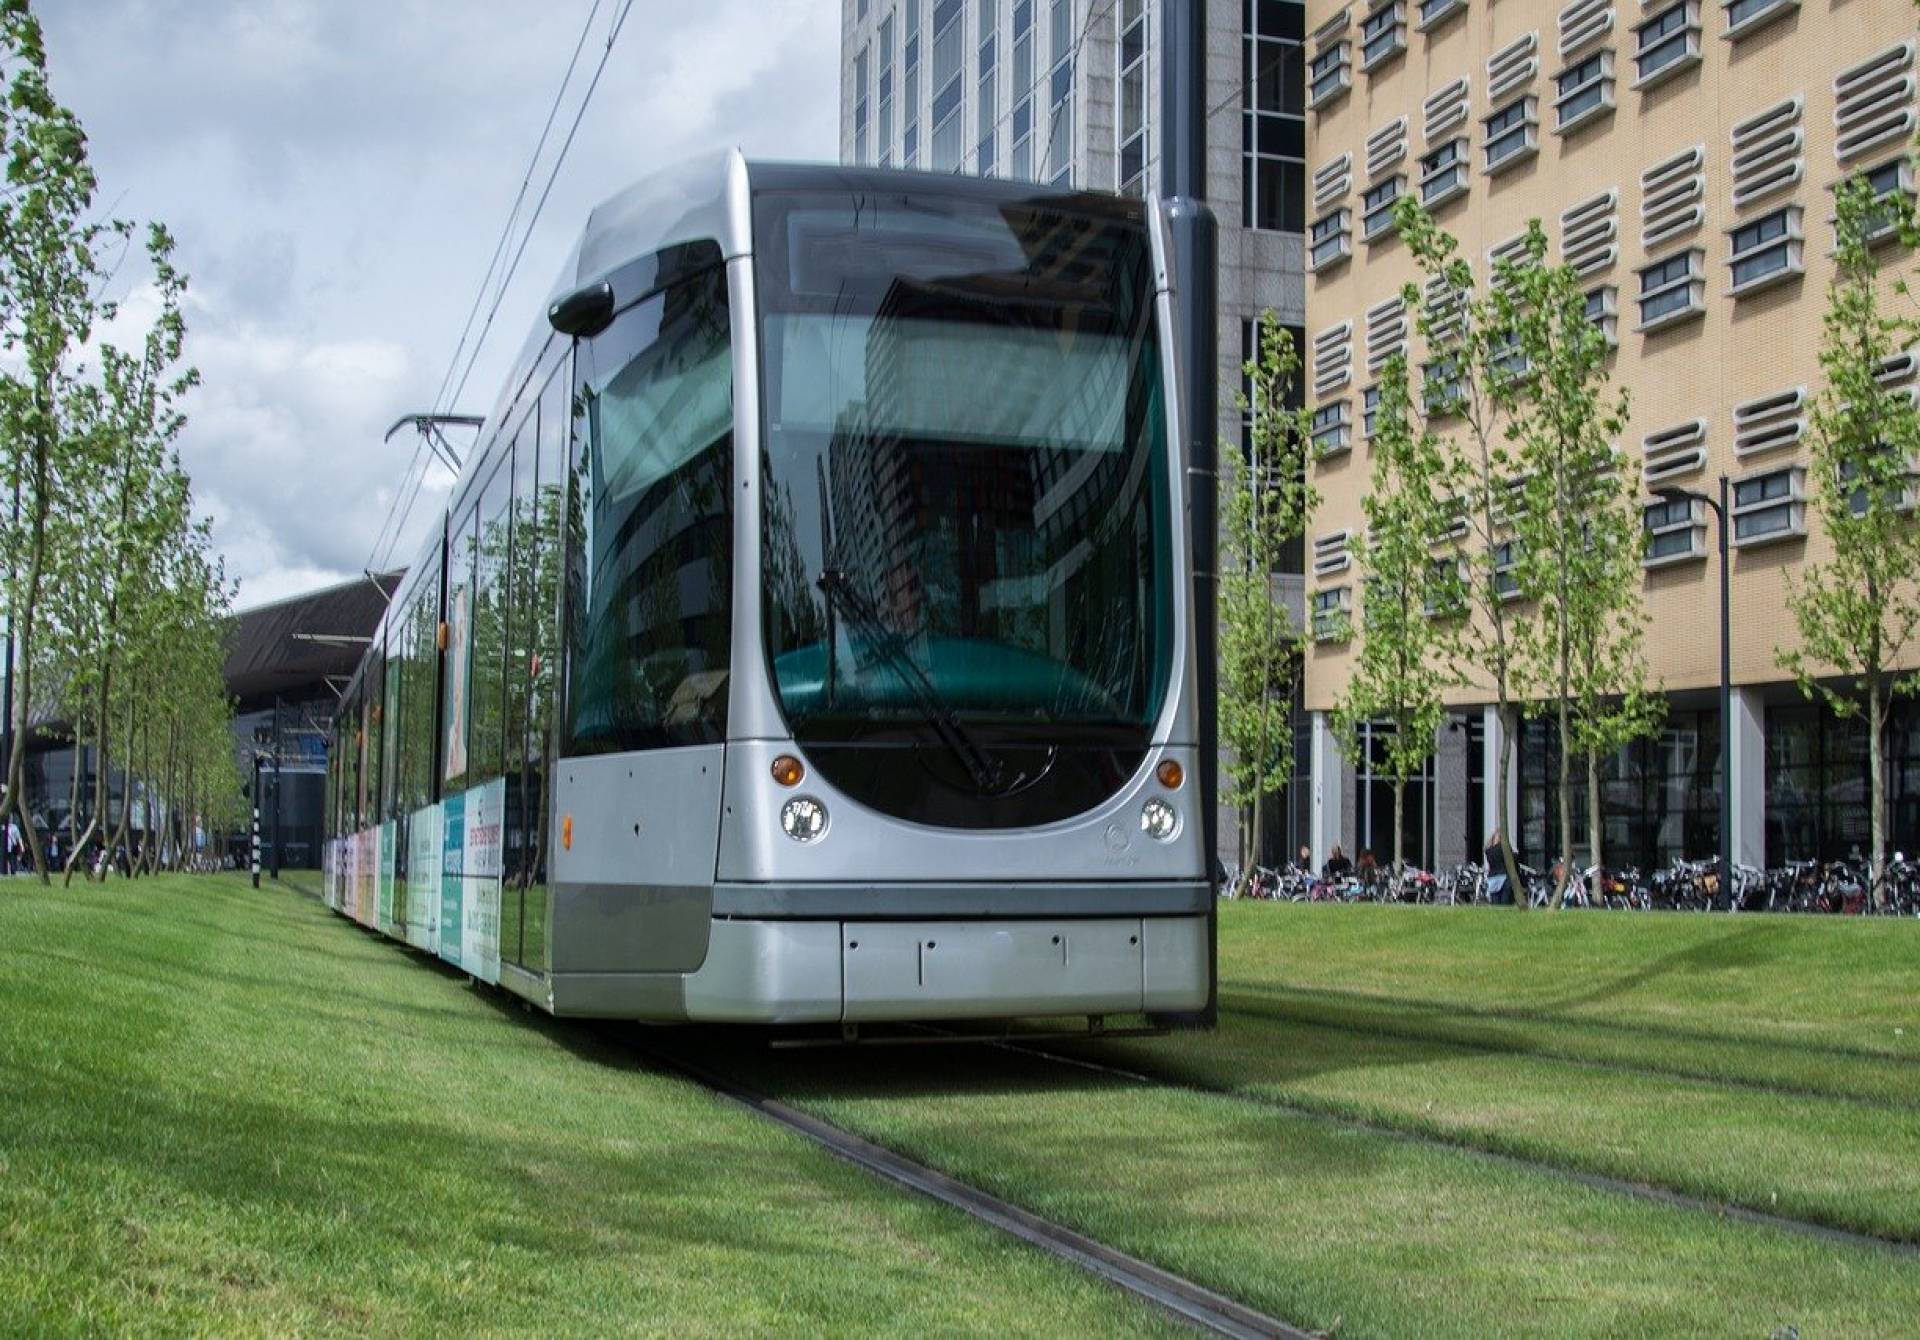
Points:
x=706 y=198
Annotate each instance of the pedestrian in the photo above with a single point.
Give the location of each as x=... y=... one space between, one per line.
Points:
x=1499 y=889
x=1337 y=866
x=15 y=847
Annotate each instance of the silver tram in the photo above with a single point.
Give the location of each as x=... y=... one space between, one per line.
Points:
x=808 y=639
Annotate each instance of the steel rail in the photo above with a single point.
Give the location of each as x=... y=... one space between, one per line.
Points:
x=1182 y=1298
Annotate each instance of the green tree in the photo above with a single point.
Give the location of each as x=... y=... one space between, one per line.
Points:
x=1577 y=527
x=119 y=523
x=1467 y=399
x=1403 y=671
x=1265 y=502
x=1858 y=610
x=49 y=279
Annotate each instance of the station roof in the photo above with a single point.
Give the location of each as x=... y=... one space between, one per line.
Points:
x=292 y=647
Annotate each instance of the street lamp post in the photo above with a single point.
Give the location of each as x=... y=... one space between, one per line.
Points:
x=1723 y=524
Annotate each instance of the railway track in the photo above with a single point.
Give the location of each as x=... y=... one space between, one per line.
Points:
x=1192 y=1303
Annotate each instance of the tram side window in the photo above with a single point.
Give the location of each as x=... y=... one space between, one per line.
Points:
x=370 y=714
x=652 y=524
x=535 y=599
x=375 y=728
x=398 y=687
x=457 y=693
x=490 y=628
x=423 y=673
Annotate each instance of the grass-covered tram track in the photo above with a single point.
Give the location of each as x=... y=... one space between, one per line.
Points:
x=1476 y=1159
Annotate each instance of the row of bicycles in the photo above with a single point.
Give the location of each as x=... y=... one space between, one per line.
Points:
x=1839 y=887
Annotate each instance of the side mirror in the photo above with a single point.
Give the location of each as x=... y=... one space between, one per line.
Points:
x=583 y=313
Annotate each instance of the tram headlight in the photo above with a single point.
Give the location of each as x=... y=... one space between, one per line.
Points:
x=804 y=819
x=1159 y=820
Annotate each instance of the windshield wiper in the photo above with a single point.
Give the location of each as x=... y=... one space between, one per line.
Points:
x=986 y=772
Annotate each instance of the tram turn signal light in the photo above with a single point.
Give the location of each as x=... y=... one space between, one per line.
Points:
x=788 y=770
x=1171 y=774
x=566 y=832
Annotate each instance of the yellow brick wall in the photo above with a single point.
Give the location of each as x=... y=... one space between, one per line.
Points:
x=1741 y=349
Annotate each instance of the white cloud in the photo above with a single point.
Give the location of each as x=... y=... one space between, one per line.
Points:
x=337 y=174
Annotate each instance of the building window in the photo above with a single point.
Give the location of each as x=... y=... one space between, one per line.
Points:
x=883 y=125
x=1274 y=119
x=1667 y=43
x=1511 y=134
x=1443 y=173
x=1506 y=359
x=1506 y=570
x=1020 y=131
x=1330 y=614
x=1132 y=176
x=1446 y=593
x=1440 y=387
x=1383 y=35
x=1369 y=411
x=1672 y=290
x=1899 y=492
x=861 y=146
x=1765 y=251
x=949 y=60
x=1816 y=781
x=1332 y=428
x=910 y=86
x=1433 y=13
x=1331 y=239
x=1583 y=91
x=1743 y=16
x=1893 y=198
x=1331 y=74
x=1603 y=310
x=1770 y=506
x=1676 y=532
x=1376 y=208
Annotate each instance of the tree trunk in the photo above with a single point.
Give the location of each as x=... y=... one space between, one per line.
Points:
x=1598 y=890
x=1565 y=861
x=16 y=797
x=1399 y=823
x=1877 y=792
x=1502 y=772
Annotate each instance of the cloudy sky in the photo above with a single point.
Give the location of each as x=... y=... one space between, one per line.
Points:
x=338 y=174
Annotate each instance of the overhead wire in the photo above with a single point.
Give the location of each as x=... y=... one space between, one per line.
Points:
x=513 y=214
x=560 y=158
x=400 y=509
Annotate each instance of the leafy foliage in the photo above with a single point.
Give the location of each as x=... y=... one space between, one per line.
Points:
x=115 y=608
x=1265 y=503
x=1858 y=610
x=1403 y=670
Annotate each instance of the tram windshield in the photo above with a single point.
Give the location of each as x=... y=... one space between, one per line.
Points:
x=967 y=567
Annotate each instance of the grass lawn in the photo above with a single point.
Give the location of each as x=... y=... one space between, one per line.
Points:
x=226 y=1109
x=230 y=1110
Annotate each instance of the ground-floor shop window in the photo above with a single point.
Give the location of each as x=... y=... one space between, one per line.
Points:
x=1818 y=784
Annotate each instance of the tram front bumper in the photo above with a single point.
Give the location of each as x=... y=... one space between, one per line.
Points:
x=781 y=971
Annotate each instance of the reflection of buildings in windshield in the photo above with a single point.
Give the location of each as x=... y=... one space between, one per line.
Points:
x=992 y=507
x=658 y=589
